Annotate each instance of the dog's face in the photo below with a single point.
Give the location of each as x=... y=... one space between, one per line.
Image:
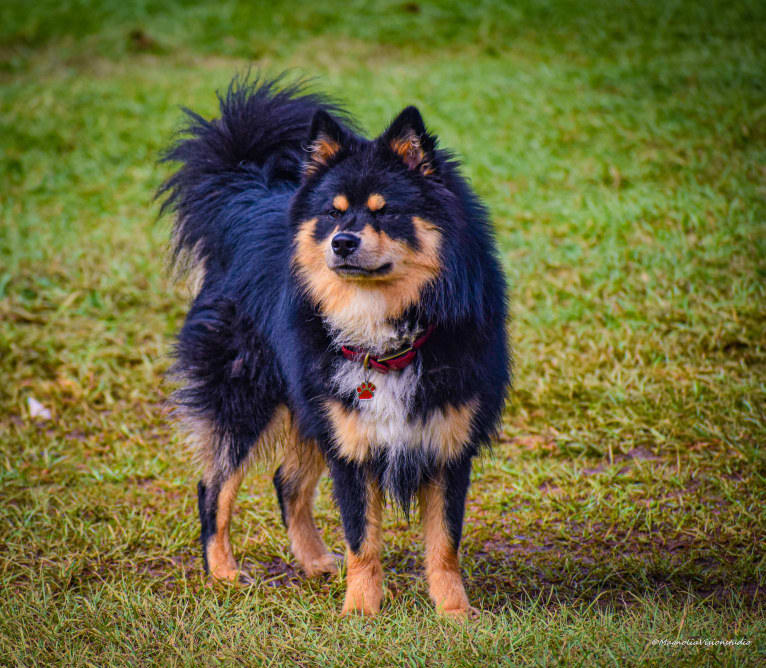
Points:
x=366 y=234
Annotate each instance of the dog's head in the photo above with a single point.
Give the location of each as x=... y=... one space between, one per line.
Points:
x=369 y=218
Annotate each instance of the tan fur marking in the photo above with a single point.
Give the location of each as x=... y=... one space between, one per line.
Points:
x=445 y=584
x=301 y=457
x=351 y=434
x=340 y=202
x=364 y=572
x=359 y=307
x=196 y=278
x=449 y=429
x=220 y=558
x=322 y=151
x=201 y=440
x=375 y=202
x=302 y=466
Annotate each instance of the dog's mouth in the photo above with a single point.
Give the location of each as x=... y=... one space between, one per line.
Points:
x=355 y=271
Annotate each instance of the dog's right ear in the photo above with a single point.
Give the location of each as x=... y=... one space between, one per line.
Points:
x=326 y=140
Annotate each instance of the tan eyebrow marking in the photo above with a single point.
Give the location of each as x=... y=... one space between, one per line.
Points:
x=375 y=202
x=340 y=202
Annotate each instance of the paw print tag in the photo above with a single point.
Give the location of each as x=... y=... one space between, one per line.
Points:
x=366 y=390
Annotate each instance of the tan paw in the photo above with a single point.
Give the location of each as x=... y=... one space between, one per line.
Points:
x=225 y=573
x=364 y=600
x=231 y=577
x=459 y=614
x=326 y=564
x=356 y=608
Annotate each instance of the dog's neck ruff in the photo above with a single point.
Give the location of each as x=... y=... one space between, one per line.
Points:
x=394 y=362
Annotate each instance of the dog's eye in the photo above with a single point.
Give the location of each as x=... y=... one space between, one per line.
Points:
x=335 y=213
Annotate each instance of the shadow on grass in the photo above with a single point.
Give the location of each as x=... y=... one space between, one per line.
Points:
x=492 y=587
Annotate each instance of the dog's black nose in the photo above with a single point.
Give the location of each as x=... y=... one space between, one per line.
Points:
x=344 y=243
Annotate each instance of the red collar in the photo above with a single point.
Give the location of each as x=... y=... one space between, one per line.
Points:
x=397 y=361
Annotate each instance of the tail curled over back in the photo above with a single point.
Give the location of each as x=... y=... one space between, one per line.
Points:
x=256 y=146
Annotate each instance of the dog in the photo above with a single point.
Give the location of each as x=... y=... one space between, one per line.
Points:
x=350 y=315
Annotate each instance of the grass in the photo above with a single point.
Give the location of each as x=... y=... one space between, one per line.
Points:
x=621 y=147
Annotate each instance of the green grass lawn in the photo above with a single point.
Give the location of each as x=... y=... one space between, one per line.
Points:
x=621 y=147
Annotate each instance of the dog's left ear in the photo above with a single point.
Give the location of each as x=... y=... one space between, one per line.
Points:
x=408 y=139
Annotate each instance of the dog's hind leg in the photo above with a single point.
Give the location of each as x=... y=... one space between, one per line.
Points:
x=216 y=501
x=295 y=481
x=224 y=471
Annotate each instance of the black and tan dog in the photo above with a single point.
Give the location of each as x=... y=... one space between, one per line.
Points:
x=350 y=315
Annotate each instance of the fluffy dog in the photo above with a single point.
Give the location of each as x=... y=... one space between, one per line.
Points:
x=350 y=315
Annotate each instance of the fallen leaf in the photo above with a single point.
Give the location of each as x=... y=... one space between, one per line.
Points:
x=37 y=410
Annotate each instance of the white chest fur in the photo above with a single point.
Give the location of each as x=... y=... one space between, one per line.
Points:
x=387 y=423
x=385 y=417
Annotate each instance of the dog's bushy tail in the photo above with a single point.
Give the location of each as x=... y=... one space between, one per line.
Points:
x=257 y=143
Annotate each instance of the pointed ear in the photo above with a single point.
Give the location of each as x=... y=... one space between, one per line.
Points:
x=408 y=139
x=326 y=139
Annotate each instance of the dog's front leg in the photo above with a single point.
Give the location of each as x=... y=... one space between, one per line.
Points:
x=442 y=505
x=360 y=505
